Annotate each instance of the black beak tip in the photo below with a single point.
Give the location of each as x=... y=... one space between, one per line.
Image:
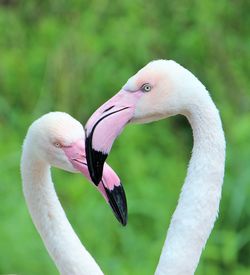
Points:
x=95 y=161
x=116 y=196
x=118 y=202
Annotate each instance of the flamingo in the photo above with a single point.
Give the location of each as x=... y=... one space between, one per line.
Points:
x=57 y=139
x=161 y=89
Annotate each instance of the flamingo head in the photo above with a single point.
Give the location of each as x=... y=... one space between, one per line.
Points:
x=154 y=92
x=59 y=139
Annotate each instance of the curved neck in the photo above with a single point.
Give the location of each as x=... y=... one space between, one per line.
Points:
x=198 y=204
x=50 y=220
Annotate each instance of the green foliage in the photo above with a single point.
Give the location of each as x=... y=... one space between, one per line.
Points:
x=72 y=56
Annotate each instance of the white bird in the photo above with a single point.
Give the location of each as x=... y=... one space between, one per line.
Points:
x=57 y=139
x=162 y=89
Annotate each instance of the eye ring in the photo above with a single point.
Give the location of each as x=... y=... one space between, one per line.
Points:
x=146 y=87
x=57 y=144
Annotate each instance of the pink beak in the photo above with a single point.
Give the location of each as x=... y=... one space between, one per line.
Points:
x=104 y=126
x=109 y=185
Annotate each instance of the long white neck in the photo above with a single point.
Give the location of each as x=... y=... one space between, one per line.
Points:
x=198 y=204
x=50 y=220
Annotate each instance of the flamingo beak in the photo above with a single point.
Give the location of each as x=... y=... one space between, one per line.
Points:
x=109 y=185
x=104 y=126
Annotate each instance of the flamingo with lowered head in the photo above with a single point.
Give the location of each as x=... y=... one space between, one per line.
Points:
x=57 y=139
x=162 y=89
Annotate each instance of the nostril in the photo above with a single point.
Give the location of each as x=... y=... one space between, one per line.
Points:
x=109 y=108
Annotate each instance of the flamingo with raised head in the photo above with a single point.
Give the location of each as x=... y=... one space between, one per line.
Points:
x=57 y=139
x=162 y=89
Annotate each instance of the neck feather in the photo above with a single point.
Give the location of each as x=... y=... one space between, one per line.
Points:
x=50 y=220
x=198 y=204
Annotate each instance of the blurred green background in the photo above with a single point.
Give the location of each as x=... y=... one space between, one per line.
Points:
x=72 y=56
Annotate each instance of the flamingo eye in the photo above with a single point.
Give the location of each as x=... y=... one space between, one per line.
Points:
x=146 y=87
x=57 y=144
